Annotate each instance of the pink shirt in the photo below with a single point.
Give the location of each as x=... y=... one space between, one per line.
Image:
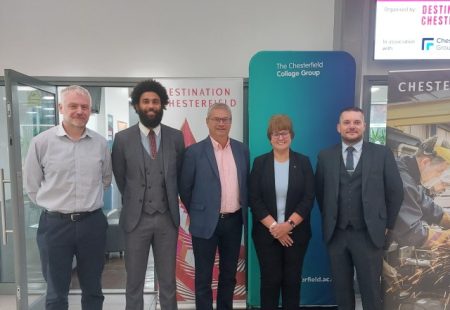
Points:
x=228 y=177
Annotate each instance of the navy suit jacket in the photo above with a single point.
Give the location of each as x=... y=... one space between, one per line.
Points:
x=300 y=195
x=382 y=189
x=129 y=172
x=200 y=188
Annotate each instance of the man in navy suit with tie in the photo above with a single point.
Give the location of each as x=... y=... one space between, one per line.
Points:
x=359 y=191
x=213 y=187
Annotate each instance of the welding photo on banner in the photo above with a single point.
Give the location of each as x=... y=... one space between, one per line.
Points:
x=417 y=257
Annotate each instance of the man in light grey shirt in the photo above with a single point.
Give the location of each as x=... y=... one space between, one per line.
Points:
x=66 y=171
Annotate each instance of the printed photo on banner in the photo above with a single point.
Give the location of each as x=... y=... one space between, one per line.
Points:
x=417 y=257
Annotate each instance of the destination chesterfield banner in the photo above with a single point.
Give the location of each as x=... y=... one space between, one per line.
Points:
x=189 y=100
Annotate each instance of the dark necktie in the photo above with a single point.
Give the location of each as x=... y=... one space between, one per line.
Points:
x=152 y=141
x=349 y=161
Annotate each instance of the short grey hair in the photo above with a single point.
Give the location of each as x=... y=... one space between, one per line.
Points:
x=75 y=89
x=217 y=106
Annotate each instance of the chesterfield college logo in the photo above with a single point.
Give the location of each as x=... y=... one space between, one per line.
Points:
x=427 y=43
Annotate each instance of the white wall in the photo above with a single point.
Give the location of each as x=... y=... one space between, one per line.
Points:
x=117 y=105
x=160 y=38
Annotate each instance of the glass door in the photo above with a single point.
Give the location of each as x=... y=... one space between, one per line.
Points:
x=30 y=109
x=6 y=240
x=374 y=104
x=378 y=110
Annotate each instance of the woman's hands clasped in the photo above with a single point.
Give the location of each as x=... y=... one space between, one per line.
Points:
x=281 y=232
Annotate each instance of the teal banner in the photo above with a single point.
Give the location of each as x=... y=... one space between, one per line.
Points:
x=312 y=88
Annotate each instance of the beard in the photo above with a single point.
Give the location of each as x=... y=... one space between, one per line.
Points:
x=150 y=122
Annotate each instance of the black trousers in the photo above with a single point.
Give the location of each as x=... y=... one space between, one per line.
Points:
x=351 y=249
x=281 y=271
x=59 y=240
x=227 y=240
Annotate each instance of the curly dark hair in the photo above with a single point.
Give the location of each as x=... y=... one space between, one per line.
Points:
x=146 y=86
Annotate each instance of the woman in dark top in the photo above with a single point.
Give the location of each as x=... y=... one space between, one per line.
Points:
x=281 y=197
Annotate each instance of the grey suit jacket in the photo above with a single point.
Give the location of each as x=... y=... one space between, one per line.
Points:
x=128 y=168
x=200 y=188
x=382 y=189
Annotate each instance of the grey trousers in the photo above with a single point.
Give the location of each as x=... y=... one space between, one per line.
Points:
x=351 y=249
x=158 y=231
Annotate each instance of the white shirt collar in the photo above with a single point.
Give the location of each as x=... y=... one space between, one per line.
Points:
x=146 y=130
x=357 y=146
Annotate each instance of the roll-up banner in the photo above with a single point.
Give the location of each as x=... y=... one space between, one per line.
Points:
x=417 y=258
x=189 y=100
x=312 y=88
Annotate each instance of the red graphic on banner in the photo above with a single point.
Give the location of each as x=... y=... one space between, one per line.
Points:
x=187 y=134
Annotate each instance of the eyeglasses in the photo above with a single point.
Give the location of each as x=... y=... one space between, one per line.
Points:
x=224 y=120
x=280 y=134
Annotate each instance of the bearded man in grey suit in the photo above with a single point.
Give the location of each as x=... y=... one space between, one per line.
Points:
x=146 y=163
x=359 y=191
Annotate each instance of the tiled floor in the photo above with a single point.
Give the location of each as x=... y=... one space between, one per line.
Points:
x=113 y=282
x=115 y=302
x=114 y=275
x=112 y=302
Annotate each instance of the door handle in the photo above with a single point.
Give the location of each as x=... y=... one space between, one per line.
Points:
x=3 y=206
